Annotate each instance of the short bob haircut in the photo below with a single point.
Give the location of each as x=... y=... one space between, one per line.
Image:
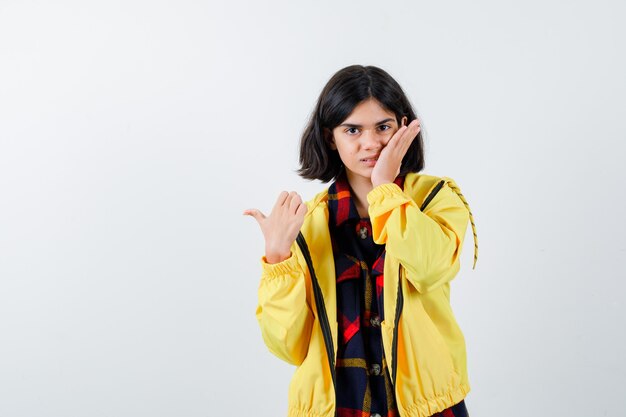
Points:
x=343 y=92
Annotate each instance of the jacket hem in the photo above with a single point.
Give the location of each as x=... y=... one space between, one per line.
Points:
x=435 y=405
x=425 y=408
x=299 y=412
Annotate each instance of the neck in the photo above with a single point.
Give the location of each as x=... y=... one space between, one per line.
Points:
x=360 y=187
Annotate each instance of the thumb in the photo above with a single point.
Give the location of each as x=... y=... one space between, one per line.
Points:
x=254 y=213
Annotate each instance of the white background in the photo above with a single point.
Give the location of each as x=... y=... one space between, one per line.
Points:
x=134 y=133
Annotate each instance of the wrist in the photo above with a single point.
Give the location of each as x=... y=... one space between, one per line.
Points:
x=276 y=255
x=380 y=182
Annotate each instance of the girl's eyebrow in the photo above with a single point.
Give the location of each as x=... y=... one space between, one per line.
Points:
x=378 y=123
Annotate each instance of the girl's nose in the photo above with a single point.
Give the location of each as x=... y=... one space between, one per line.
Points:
x=371 y=139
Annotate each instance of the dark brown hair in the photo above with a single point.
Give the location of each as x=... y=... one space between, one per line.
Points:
x=342 y=93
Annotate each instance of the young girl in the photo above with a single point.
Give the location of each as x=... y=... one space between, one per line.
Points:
x=355 y=282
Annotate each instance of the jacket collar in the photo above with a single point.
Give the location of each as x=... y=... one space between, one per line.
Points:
x=341 y=204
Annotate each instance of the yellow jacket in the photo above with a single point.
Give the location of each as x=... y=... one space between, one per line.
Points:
x=297 y=307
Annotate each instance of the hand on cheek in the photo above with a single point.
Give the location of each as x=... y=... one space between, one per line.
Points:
x=388 y=166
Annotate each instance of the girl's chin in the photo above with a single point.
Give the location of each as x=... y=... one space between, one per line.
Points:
x=363 y=172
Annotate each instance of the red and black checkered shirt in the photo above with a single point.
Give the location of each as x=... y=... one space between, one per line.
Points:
x=363 y=385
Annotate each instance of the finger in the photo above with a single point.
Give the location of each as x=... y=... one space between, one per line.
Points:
x=415 y=127
x=400 y=146
x=296 y=200
x=414 y=130
x=290 y=197
x=258 y=216
x=302 y=209
x=282 y=197
x=396 y=136
x=411 y=132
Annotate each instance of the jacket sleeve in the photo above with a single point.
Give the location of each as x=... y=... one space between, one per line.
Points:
x=428 y=244
x=283 y=313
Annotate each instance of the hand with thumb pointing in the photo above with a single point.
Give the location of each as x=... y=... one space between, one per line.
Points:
x=282 y=226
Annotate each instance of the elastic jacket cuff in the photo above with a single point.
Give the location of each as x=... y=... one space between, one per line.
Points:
x=287 y=266
x=383 y=191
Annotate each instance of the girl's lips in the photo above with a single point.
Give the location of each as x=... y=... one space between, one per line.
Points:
x=369 y=162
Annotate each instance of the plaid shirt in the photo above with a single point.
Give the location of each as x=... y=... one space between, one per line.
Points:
x=364 y=386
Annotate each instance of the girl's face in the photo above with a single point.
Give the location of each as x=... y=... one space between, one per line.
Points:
x=361 y=137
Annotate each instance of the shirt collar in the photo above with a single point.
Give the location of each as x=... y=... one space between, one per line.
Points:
x=341 y=205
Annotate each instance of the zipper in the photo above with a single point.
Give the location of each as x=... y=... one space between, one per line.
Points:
x=400 y=297
x=394 y=342
x=432 y=194
x=321 y=308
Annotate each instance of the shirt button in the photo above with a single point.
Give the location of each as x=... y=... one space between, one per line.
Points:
x=375 y=369
x=375 y=321
x=363 y=232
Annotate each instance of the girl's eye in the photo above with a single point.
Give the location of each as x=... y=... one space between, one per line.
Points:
x=351 y=130
x=384 y=127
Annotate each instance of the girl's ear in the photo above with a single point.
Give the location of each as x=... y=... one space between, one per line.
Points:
x=403 y=122
x=328 y=136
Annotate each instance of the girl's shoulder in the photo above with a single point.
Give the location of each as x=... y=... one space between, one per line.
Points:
x=318 y=202
x=420 y=186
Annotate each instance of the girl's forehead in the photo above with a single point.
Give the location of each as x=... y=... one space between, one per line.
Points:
x=368 y=112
